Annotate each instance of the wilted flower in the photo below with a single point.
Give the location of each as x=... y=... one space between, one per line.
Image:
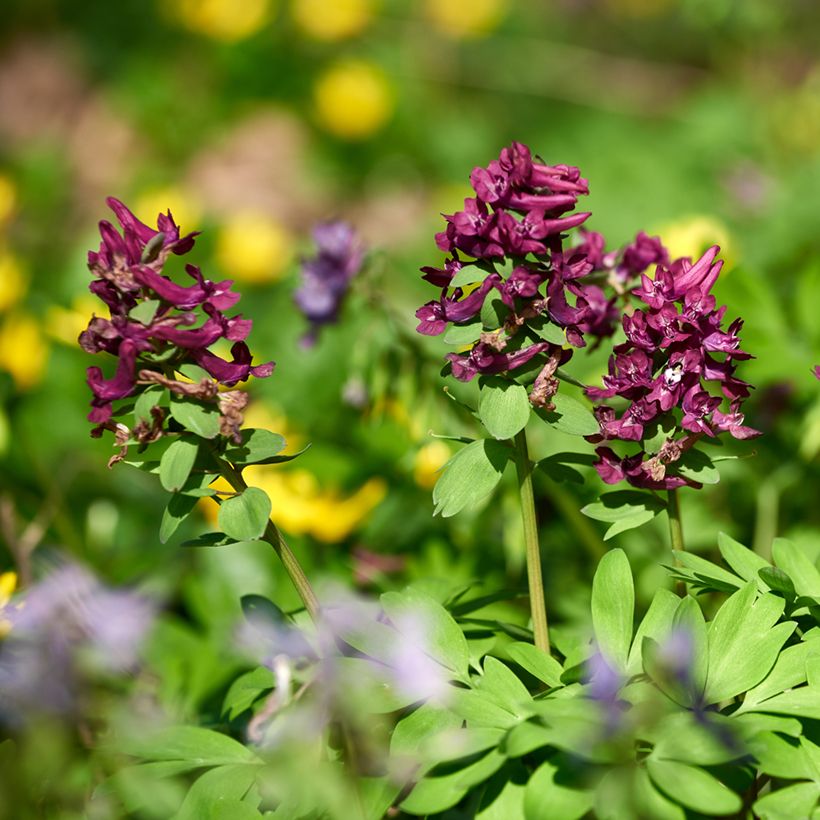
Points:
x=675 y=349
x=66 y=627
x=521 y=286
x=326 y=277
x=156 y=325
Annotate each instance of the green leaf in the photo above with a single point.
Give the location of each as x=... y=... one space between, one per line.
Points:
x=416 y=615
x=788 y=803
x=777 y=580
x=657 y=433
x=144 y=312
x=146 y=789
x=706 y=573
x=224 y=784
x=503 y=407
x=788 y=671
x=493 y=313
x=570 y=416
x=461 y=335
x=468 y=275
x=503 y=797
x=210 y=539
x=179 y=508
x=246 y=689
x=535 y=661
x=626 y=509
x=803 y=702
x=697 y=466
x=656 y=624
x=470 y=476
x=707 y=741
x=740 y=624
x=780 y=757
x=501 y=683
x=613 y=606
x=245 y=516
x=191 y=743
x=435 y=794
x=418 y=727
x=196 y=416
x=742 y=560
x=693 y=787
x=550 y=332
x=796 y=564
x=257 y=447
x=560 y=466
x=177 y=462
x=545 y=799
x=149 y=398
x=480 y=710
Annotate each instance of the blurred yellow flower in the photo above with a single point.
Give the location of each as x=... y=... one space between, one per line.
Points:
x=252 y=247
x=465 y=18
x=335 y=20
x=13 y=283
x=149 y=204
x=265 y=416
x=299 y=506
x=691 y=236
x=8 y=583
x=66 y=324
x=429 y=460
x=23 y=350
x=8 y=198
x=225 y=20
x=353 y=99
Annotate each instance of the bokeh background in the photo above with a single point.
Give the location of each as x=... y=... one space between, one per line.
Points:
x=698 y=120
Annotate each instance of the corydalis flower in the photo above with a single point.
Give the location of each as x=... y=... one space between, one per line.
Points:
x=326 y=277
x=153 y=319
x=513 y=230
x=675 y=350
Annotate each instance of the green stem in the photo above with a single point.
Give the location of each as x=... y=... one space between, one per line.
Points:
x=280 y=546
x=676 y=532
x=536 y=584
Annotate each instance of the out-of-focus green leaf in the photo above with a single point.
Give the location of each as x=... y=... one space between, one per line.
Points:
x=470 y=476
x=613 y=605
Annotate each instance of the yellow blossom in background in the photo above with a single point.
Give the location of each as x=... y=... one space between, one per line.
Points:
x=691 y=236
x=429 y=460
x=23 y=350
x=252 y=247
x=8 y=199
x=465 y=18
x=265 y=416
x=149 y=204
x=334 y=20
x=8 y=583
x=301 y=507
x=66 y=324
x=228 y=21
x=13 y=282
x=353 y=99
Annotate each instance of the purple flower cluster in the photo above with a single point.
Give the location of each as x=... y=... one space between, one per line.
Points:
x=326 y=277
x=149 y=344
x=675 y=348
x=512 y=228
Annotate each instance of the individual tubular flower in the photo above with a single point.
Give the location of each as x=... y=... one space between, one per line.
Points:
x=155 y=325
x=520 y=279
x=326 y=277
x=671 y=369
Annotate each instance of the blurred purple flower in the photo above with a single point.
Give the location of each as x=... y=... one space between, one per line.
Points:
x=326 y=277
x=68 y=628
x=128 y=271
x=675 y=350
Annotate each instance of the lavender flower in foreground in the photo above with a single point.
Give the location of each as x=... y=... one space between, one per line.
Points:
x=156 y=325
x=326 y=277
x=67 y=627
x=513 y=230
x=675 y=358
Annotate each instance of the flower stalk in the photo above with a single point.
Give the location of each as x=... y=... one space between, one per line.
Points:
x=676 y=532
x=275 y=538
x=535 y=581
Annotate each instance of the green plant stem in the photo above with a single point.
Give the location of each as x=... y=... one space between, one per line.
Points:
x=280 y=546
x=536 y=583
x=676 y=532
